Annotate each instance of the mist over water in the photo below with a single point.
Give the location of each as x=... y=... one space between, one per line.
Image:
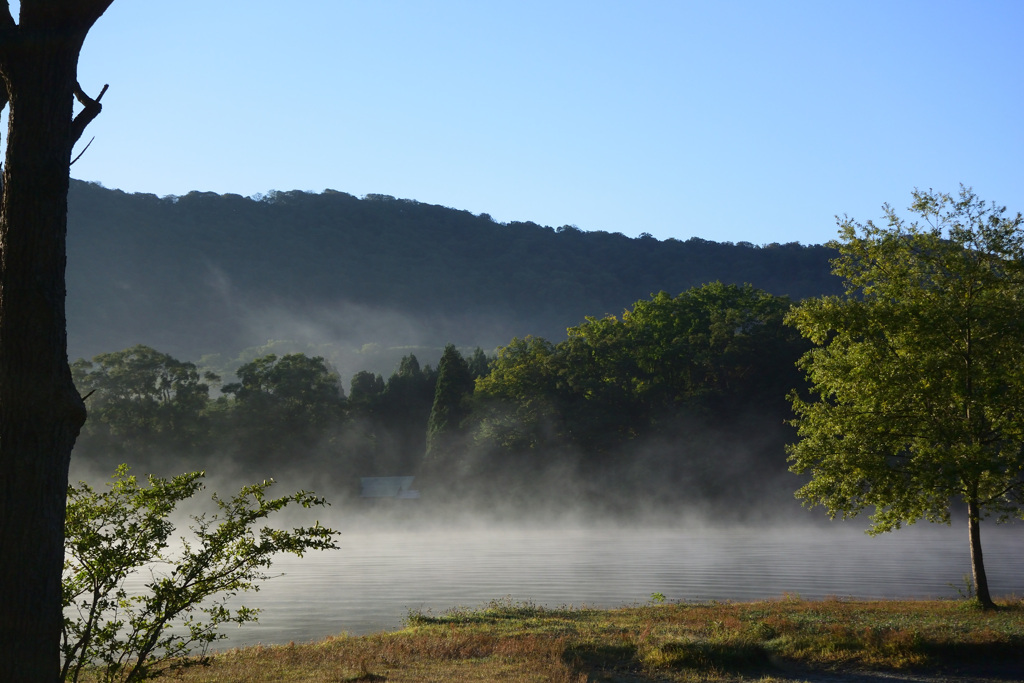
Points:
x=377 y=576
x=551 y=545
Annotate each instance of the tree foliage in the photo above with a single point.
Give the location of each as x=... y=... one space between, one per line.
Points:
x=396 y=419
x=113 y=535
x=918 y=377
x=446 y=424
x=365 y=388
x=713 y=351
x=676 y=399
x=521 y=395
x=284 y=406
x=295 y=387
x=147 y=399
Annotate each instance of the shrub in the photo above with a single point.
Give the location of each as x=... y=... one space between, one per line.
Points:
x=115 y=534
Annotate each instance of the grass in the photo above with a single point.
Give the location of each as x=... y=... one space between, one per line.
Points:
x=785 y=639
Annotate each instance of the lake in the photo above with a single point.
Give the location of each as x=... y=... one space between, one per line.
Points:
x=376 y=577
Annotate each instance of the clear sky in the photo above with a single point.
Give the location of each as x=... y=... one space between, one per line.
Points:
x=730 y=121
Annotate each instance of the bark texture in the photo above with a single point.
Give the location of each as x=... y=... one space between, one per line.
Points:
x=40 y=410
x=977 y=561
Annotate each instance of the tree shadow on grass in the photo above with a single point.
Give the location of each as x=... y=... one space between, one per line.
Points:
x=626 y=663
x=619 y=663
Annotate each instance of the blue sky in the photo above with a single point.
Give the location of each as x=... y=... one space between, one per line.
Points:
x=729 y=121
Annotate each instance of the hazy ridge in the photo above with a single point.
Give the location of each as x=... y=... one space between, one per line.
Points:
x=207 y=273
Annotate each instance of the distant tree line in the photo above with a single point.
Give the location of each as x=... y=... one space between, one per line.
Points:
x=286 y=413
x=680 y=399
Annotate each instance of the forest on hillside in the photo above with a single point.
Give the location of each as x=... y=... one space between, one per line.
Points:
x=216 y=274
x=677 y=403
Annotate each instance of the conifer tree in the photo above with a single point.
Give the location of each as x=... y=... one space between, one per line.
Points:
x=450 y=409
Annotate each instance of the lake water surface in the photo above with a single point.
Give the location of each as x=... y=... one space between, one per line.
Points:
x=377 y=577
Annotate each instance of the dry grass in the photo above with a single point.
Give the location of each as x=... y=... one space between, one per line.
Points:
x=445 y=655
x=758 y=641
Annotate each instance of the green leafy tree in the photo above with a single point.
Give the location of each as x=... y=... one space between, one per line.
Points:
x=714 y=352
x=365 y=389
x=726 y=346
x=521 y=396
x=288 y=405
x=600 y=378
x=142 y=401
x=295 y=388
x=918 y=377
x=683 y=393
x=118 y=533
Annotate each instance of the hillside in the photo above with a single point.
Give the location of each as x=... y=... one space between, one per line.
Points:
x=206 y=273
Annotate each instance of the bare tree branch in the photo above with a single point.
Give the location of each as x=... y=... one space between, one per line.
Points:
x=90 y=109
x=82 y=152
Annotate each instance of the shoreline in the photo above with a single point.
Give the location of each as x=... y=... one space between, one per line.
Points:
x=785 y=639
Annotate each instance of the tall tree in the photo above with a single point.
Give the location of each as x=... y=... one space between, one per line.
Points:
x=40 y=410
x=402 y=413
x=919 y=375
x=478 y=363
x=450 y=408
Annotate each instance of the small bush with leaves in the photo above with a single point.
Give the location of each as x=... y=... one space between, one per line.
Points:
x=118 y=533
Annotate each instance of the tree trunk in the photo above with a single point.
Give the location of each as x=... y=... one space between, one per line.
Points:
x=40 y=410
x=977 y=563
